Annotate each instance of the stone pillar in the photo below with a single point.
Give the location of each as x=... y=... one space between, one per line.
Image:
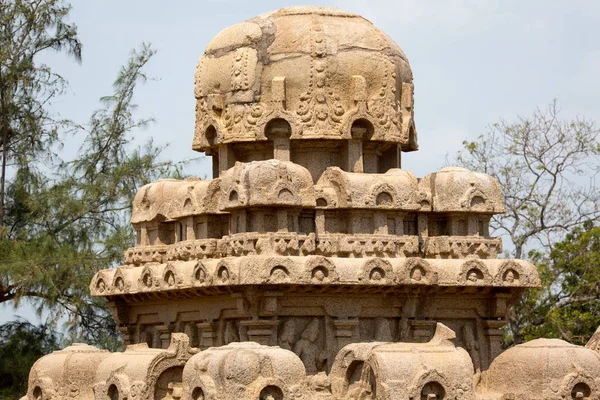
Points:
x=226 y=158
x=178 y=231
x=399 y=157
x=294 y=214
x=215 y=164
x=390 y=158
x=355 y=156
x=422 y=330
x=262 y=331
x=241 y=221
x=282 y=220
x=270 y=304
x=144 y=240
x=164 y=335
x=343 y=330
x=499 y=305
x=202 y=227
x=208 y=334
x=399 y=226
x=259 y=216
x=128 y=333
x=381 y=223
x=191 y=232
x=356 y=222
x=281 y=149
x=320 y=222
x=422 y=229
x=473 y=225
x=493 y=333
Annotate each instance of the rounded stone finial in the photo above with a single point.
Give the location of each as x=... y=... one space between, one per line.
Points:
x=303 y=73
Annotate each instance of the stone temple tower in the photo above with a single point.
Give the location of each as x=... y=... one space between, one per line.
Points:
x=312 y=266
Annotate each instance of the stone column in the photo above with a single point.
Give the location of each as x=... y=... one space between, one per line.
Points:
x=259 y=217
x=390 y=158
x=422 y=229
x=355 y=156
x=493 y=333
x=344 y=330
x=202 y=227
x=422 y=330
x=282 y=220
x=281 y=149
x=215 y=163
x=144 y=241
x=191 y=232
x=241 y=221
x=226 y=158
x=473 y=225
x=164 y=335
x=208 y=334
x=399 y=226
x=262 y=331
x=294 y=214
x=381 y=223
x=320 y=222
x=128 y=332
x=356 y=222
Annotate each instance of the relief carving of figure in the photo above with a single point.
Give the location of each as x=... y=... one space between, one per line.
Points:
x=288 y=333
x=383 y=331
x=231 y=333
x=472 y=346
x=307 y=349
x=156 y=342
x=404 y=329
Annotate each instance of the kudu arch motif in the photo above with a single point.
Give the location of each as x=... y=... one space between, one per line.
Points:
x=312 y=266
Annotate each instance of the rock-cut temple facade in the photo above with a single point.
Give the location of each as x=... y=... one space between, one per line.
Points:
x=312 y=266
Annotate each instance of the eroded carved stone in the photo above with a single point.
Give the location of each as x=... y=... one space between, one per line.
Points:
x=312 y=266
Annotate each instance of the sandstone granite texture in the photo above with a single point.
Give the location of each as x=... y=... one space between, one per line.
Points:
x=312 y=266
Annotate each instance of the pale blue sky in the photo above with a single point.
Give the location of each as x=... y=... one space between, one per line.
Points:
x=474 y=62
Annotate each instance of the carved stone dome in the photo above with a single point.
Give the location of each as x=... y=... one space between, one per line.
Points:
x=545 y=369
x=303 y=73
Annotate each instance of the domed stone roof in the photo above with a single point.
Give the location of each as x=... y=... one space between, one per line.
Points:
x=322 y=70
x=545 y=369
x=456 y=189
x=266 y=183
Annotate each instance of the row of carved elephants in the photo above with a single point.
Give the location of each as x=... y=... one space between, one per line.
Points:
x=436 y=370
x=313 y=270
x=330 y=245
x=246 y=371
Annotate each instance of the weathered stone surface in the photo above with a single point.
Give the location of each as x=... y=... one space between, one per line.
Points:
x=64 y=374
x=388 y=371
x=548 y=369
x=320 y=69
x=245 y=371
x=312 y=266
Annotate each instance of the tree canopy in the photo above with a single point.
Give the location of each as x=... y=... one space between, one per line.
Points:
x=21 y=344
x=64 y=218
x=29 y=28
x=567 y=306
x=545 y=164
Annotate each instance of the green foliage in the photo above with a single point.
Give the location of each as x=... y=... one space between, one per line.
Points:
x=62 y=220
x=64 y=228
x=21 y=344
x=545 y=165
x=27 y=29
x=567 y=306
